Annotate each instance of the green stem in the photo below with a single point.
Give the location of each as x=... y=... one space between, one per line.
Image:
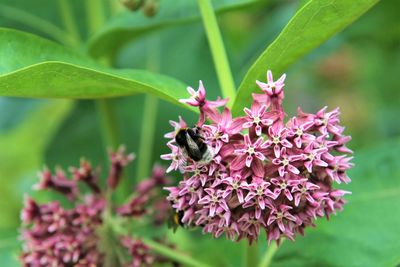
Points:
x=269 y=254
x=39 y=24
x=115 y=6
x=217 y=49
x=95 y=15
x=149 y=115
x=251 y=255
x=147 y=136
x=69 y=20
x=173 y=254
x=108 y=122
x=107 y=116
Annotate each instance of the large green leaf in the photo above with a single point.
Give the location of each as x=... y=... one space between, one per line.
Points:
x=126 y=26
x=367 y=232
x=34 y=67
x=313 y=24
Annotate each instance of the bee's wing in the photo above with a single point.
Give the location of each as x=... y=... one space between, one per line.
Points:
x=193 y=147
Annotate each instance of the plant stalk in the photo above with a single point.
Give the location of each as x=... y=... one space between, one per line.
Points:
x=147 y=137
x=149 y=115
x=217 y=47
x=108 y=123
x=69 y=20
x=269 y=254
x=251 y=255
x=173 y=254
x=95 y=15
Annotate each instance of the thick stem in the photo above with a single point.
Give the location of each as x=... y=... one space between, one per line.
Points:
x=173 y=254
x=95 y=15
x=39 y=24
x=149 y=115
x=115 y=6
x=108 y=123
x=217 y=49
x=251 y=255
x=147 y=137
x=69 y=20
x=269 y=254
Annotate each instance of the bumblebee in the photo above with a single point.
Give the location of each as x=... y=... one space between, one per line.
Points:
x=192 y=143
x=175 y=220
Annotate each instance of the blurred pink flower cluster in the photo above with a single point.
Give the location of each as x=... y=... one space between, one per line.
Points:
x=57 y=236
x=266 y=173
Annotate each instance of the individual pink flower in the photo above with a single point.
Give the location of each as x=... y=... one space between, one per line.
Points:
x=214 y=202
x=299 y=131
x=284 y=161
x=302 y=190
x=234 y=185
x=175 y=156
x=272 y=87
x=282 y=186
x=312 y=157
x=256 y=116
x=278 y=138
x=250 y=155
x=259 y=195
x=197 y=98
x=281 y=216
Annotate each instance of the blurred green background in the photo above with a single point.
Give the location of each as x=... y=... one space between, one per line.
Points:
x=357 y=70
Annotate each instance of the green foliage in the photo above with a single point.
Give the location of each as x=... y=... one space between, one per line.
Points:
x=127 y=25
x=366 y=232
x=45 y=69
x=59 y=132
x=313 y=24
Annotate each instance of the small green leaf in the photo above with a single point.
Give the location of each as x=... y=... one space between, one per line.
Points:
x=313 y=24
x=367 y=232
x=126 y=26
x=35 y=67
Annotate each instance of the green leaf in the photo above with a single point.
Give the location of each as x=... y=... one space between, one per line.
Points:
x=126 y=26
x=312 y=25
x=35 y=67
x=367 y=232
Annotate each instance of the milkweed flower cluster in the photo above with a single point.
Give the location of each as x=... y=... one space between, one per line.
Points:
x=57 y=236
x=266 y=173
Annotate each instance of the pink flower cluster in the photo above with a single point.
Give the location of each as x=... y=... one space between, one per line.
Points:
x=266 y=173
x=57 y=236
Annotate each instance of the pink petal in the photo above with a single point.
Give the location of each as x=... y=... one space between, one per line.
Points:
x=249 y=160
x=277 y=151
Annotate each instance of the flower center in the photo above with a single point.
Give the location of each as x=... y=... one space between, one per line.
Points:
x=279 y=215
x=256 y=120
x=276 y=140
x=303 y=190
x=214 y=199
x=260 y=190
x=285 y=162
x=235 y=185
x=283 y=185
x=299 y=132
x=251 y=150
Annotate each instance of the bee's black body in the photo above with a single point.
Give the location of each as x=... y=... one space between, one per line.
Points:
x=192 y=142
